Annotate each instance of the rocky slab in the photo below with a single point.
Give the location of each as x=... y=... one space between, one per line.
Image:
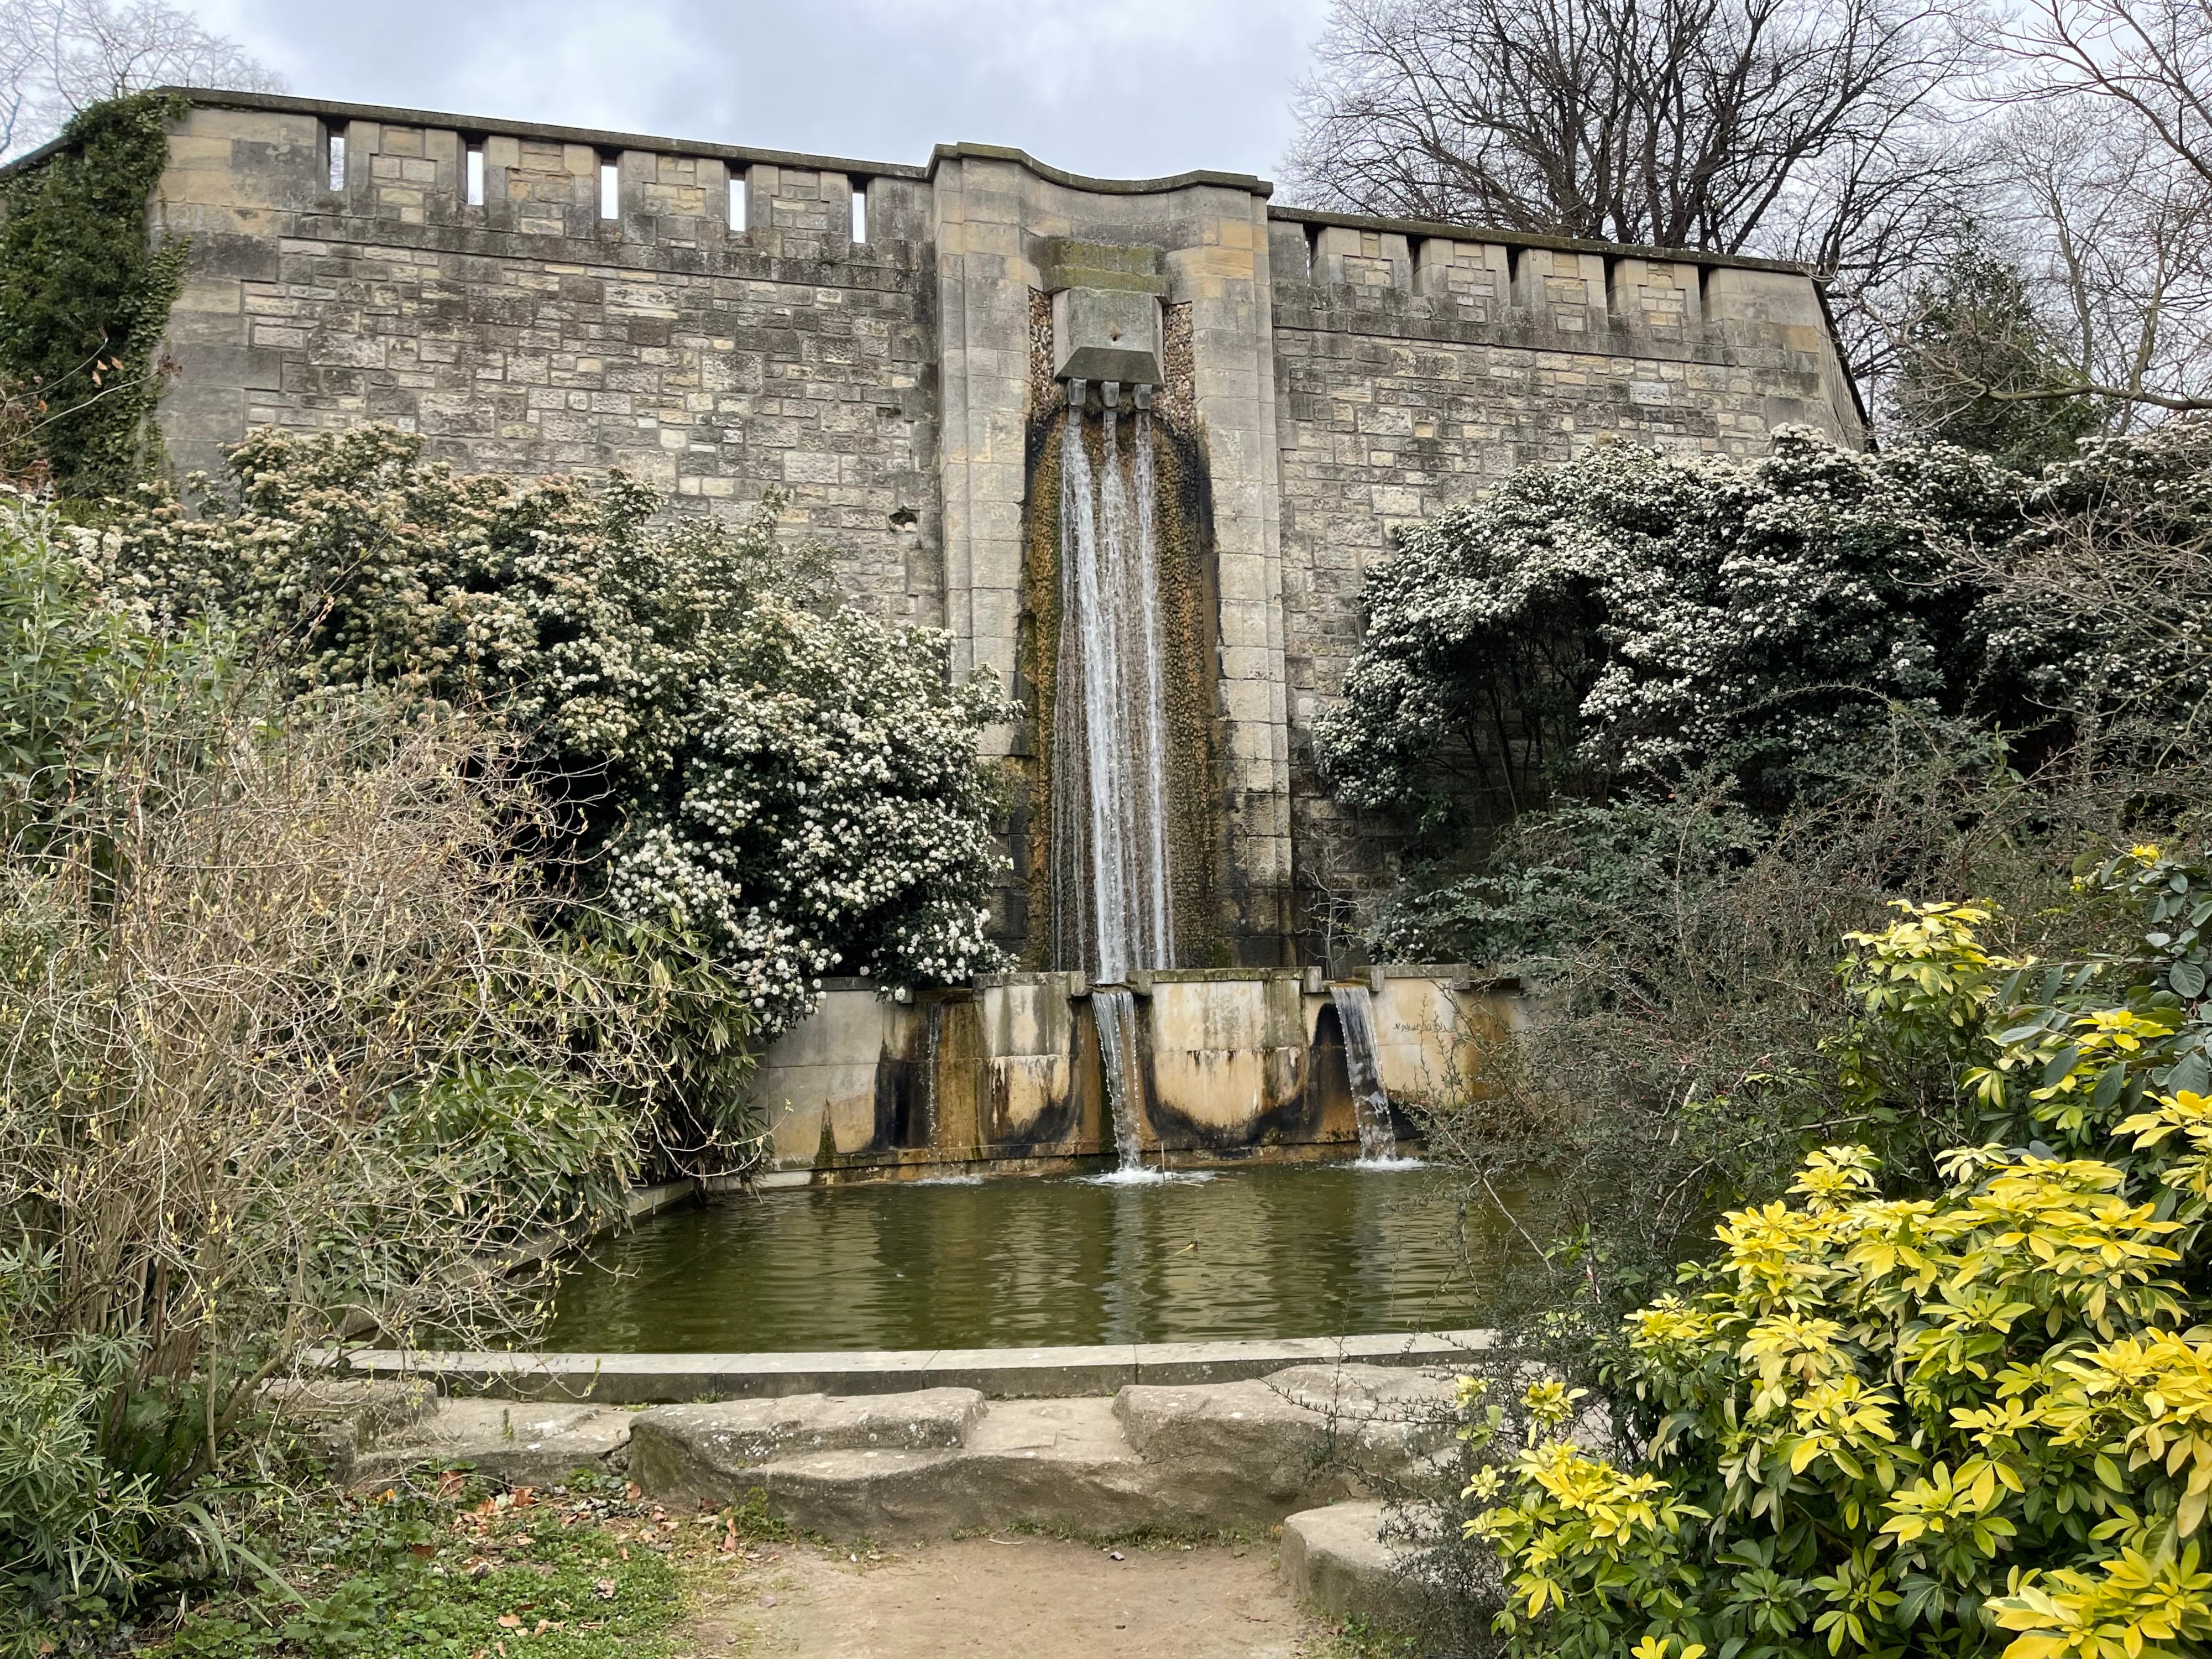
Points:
x=1336 y=1561
x=736 y=1434
x=940 y=1460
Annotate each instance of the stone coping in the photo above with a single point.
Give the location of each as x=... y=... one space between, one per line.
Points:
x=602 y=139
x=1459 y=233
x=639 y=1379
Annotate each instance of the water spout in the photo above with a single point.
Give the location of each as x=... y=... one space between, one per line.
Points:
x=1115 y=1013
x=1355 y=1015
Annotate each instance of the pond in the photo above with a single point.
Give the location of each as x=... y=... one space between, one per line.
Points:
x=1265 y=1250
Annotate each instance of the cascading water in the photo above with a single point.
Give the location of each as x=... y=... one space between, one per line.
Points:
x=1355 y=1018
x=1116 y=1014
x=1112 y=906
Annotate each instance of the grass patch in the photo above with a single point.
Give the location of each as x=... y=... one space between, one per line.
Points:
x=444 y=1566
x=1360 y=1639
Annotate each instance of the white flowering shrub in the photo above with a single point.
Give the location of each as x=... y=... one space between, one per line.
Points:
x=740 y=759
x=1633 y=613
x=2100 y=605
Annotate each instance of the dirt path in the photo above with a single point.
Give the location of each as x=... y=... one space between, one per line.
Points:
x=1010 y=1597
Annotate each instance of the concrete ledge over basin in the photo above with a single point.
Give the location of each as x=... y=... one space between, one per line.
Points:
x=638 y=1379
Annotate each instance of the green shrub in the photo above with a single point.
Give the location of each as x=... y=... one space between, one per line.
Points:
x=740 y=759
x=1632 y=619
x=290 y=1053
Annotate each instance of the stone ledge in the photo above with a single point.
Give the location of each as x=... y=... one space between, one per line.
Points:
x=635 y=1379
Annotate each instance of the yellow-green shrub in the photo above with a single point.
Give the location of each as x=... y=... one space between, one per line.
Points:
x=1966 y=1422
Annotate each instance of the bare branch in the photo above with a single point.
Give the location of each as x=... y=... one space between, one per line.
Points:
x=57 y=57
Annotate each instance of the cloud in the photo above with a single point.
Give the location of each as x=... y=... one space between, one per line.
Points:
x=1116 y=88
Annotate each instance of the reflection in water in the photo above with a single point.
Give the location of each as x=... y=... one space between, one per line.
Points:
x=1279 y=1251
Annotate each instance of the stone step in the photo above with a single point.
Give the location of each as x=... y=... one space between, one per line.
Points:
x=1336 y=1561
x=1175 y=1458
x=937 y=1461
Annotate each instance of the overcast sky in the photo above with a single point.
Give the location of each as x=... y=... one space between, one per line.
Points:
x=1127 y=88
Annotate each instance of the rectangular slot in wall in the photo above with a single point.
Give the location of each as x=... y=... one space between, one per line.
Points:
x=472 y=174
x=740 y=201
x=610 y=190
x=860 y=213
x=334 y=149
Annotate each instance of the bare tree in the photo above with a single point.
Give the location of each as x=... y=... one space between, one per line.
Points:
x=2100 y=203
x=2103 y=203
x=2117 y=229
x=2153 y=57
x=57 y=57
x=1694 y=124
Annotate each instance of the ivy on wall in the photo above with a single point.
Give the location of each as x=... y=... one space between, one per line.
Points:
x=84 y=295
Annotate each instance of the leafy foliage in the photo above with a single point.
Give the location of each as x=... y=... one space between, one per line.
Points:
x=84 y=295
x=1917 y=1423
x=1684 y=1049
x=2094 y=609
x=1631 y=614
x=1972 y=331
x=740 y=757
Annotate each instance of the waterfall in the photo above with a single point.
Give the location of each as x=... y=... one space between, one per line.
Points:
x=1112 y=905
x=1115 y=1013
x=1355 y=1016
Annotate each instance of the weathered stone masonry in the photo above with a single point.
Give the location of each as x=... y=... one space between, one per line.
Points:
x=722 y=333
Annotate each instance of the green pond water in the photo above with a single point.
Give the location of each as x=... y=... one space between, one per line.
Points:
x=1283 y=1250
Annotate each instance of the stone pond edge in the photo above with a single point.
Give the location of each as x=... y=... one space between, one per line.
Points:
x=1047 y=1373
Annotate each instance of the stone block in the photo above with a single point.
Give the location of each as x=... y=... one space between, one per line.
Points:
x=737 y=1435
x=1335 y=1561
x=1656 y=299
x=1100 y=335
x=1477 y=275
x=1360 y=259
x=1561 y=291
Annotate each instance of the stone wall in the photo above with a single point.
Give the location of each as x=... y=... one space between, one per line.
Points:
x=1005 y=1074
x=528 y=334
x=704 y=316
